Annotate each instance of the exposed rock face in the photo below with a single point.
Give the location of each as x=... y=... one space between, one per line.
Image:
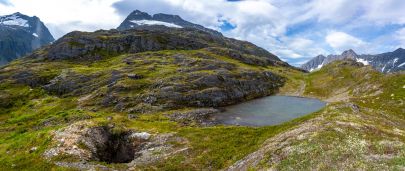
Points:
x=150 y=69
x=138 y=18
x=388 y=62
x=199 y=80
x=31 y=79
x=218 y=89
x=248 y=58
x=20 y=35
x=86 y=143
x=385 y=62
x=199 y=116
x=68 y=82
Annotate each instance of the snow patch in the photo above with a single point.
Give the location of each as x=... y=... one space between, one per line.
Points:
x=362 y=61
x=141 y=135
x=154 y=22
x=14 y=20
x=395 y=60
x=382 y=70
x=35 y=34
x=317 y=68
x=400 y=65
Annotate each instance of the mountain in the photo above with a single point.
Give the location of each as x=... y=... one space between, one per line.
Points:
x=385 y=62
x=20 y=35
x=138 y=18
x=314 y=63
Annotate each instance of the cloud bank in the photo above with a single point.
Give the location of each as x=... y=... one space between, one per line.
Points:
x=295 y=30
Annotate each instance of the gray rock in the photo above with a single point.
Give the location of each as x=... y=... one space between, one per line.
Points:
x=33 y=149
x=135 y=76
x=132 y=116
x=199 y=116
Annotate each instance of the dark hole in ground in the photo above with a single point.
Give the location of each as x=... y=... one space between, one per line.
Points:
x=114 y=147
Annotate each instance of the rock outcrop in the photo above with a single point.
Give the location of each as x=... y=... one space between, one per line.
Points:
x=84 y=143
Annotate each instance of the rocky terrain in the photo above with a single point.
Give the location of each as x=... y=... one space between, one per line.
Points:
x=115 y=81
x=20 y=35
x=385 y=62
x=362 y=126
x=139 y=99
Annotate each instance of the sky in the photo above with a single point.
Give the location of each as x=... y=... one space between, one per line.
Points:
x=294 y=30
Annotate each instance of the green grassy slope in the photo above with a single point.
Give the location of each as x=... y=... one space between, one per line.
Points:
x=362 y=127
x=30 y=115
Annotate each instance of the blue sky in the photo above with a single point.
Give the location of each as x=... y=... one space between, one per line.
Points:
x=294 y=30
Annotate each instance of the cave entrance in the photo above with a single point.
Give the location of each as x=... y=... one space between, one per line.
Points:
x=115 y=147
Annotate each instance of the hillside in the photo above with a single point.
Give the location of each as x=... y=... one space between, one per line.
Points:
x=141 y=98
x=152 y=86
x=362 y=126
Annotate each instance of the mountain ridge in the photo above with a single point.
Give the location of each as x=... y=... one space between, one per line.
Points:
x=20 y=35
x=384 y=62
x=138 y=18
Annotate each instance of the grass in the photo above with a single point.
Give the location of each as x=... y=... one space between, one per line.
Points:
x=367 y=139
x=28 y=116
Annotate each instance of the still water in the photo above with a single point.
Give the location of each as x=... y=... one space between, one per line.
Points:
x=270 y=110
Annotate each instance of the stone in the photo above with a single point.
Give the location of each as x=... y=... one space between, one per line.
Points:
x=135 y=76
x=132 y=116
x=199 y=116
x=33 y=149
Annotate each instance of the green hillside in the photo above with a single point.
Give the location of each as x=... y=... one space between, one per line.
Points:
x=85 y=100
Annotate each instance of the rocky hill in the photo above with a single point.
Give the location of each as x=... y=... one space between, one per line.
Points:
x=141 y=99
x=181 y=74
x=385 y=62
x=20 y=35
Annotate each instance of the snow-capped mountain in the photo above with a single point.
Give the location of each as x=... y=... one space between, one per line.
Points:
x=139 y=18
x=385 y=62
x=20 y=35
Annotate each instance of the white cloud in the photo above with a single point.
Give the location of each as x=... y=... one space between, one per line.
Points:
x=263 y=22
x=341 y=41
x=68 y=15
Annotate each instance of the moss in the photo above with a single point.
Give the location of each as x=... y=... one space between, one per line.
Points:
x=29 y=115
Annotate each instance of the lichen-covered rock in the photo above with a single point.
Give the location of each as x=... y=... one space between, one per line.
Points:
x=203 y=90
x=68 y=82
x=86 y=142
x=199 y=116
x=31 y=79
